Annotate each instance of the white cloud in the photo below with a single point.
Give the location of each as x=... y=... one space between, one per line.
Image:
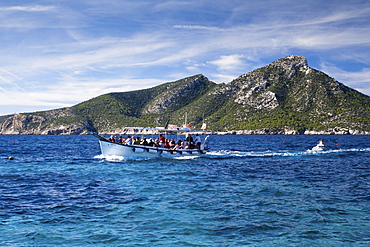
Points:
x=34 y=8
x=229 y=62
x=69 y=91
x=195 y=27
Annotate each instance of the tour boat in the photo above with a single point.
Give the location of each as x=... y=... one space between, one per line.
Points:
x=113 y=148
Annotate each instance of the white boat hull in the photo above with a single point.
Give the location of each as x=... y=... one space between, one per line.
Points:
x=139 y=151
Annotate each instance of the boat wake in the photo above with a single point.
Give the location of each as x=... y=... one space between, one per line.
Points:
x=185 y=157
x=225 y=154
x=116 y=158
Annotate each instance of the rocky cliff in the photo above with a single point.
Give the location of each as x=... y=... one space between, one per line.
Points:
x=43 y=124
x=284 y=97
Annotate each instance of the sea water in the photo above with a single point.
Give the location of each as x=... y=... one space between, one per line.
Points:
x=247 y=191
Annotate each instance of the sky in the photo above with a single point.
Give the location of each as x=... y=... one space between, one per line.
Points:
x=58 y=53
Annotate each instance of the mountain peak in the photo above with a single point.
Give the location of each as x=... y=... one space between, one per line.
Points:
x=291 y=63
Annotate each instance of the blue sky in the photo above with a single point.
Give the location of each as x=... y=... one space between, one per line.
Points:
x=58 y=53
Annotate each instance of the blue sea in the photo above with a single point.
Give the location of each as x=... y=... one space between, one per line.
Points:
x=247 y=191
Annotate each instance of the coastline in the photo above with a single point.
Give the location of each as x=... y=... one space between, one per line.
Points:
x=334 y=131
x=81 y=130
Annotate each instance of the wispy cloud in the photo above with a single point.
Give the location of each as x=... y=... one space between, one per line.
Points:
x=197 y=27
x=7 y=79
x=59 y=55
x=34 y=8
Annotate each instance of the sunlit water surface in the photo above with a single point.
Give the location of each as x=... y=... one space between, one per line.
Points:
x=247 y=191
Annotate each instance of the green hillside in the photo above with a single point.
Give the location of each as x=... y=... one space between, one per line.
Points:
x=286 y=94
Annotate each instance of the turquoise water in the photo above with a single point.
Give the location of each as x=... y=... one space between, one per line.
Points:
x=248 y=191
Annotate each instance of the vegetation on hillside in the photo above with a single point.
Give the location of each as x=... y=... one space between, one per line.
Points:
x=287 y=94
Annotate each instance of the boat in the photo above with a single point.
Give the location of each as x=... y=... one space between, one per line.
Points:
x=132 y=151
x=320 y=146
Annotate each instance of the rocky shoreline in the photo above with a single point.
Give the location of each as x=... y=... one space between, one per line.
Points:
x=20 y=124
x=334 y=131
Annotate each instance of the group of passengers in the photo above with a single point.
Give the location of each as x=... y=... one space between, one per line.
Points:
x=161 y=141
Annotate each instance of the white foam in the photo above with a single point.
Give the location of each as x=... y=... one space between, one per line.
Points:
x=284 y=153
x=116 y=158
x=225 y=154
x=185 y=157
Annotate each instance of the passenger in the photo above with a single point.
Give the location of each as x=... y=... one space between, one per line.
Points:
x=189 y=140
x=129 y=140
x=321 y=143
x=167 y=144
x=122 y=140
x=156 y=143
x=172 y=143
x=162 y=138
x=162 y=141
x=144 y=142
x=137 y=141
x=187 y=145
x=151 y=143
x=177 y=146
x=181 y=144
x=198 y=141
x=111 y=139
